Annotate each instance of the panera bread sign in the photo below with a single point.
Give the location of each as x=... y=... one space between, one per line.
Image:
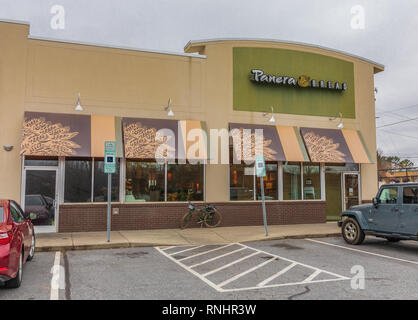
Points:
x=304 y=81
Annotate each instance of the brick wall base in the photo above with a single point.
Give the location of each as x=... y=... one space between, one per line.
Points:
x=92 y=217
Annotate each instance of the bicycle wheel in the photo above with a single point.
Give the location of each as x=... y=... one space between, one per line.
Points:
x=213 y=219
x=185 y=221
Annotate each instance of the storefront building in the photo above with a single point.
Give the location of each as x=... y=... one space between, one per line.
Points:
x=315 y=106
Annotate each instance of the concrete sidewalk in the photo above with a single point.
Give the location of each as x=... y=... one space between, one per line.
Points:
x=177 y=237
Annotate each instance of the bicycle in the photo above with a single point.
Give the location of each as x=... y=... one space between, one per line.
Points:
x=209 y=216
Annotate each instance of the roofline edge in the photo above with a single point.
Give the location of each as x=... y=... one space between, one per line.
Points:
x=102 y=45
x=191 y=42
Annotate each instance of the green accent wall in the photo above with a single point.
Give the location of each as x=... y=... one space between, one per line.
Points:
x=251 y=96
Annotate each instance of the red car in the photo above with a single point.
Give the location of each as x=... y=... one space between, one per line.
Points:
x=17 y=243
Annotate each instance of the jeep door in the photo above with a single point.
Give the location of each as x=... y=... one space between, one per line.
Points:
x=409 y=215
x=385 y=217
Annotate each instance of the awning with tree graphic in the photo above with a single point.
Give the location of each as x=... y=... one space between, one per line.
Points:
x=69 y=135
x=335 y=146
x=280 y=143
x=146 y=138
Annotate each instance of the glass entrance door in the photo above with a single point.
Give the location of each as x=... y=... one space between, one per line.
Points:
x=40 y=200
x=333 y=195
x=351 y=190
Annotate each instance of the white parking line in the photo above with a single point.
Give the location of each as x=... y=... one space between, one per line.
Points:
x=363 y=251
x=234 y=277
x=216 y=258
x=211 y=284
x=167 y=248
x=205 y=252
x=181 y=251
x=56 y=275
x=274 y=276
x=230 y=264
x=312 y=276
x=224 y=283
x=279 y=285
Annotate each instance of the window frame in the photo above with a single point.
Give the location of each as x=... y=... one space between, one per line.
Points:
x=92 y=180
x=280 y=181
x=166 y=163
x=385 y=188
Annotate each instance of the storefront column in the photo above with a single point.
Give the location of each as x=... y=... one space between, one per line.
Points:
x=122 y=176
x=322 y=177
x=280 y=180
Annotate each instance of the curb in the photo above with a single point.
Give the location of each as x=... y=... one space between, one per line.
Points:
x=161 y=244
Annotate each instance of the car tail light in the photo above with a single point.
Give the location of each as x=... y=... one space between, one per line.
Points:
x=5 y=238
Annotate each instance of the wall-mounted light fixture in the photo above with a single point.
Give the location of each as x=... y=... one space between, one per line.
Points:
x=168 y=107
x=340 y=124
x=78 y=107
x=272 y=116
x=8 y=148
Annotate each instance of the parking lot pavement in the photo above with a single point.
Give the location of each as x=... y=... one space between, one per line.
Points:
x=238 y=267
x=280 y=269
x=36 y=283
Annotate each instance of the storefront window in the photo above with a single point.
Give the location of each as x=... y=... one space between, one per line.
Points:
x=311 y=182
x=100 y=182
x=41 y=161
x=270 y=183
x=334 y=167
x=144 y=181
x=241 y=182
x=77 y=180
x=185 y=182
x=291 y=181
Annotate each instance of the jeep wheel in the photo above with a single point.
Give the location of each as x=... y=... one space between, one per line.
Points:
x=352 y=232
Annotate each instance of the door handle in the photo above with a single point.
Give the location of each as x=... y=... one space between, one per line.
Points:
x=395 y=209
x=416 y=210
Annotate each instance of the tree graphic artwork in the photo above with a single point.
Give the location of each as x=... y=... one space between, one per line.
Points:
x=323 y=149
x=41 y=137
x=143 y=142
x=249 y=153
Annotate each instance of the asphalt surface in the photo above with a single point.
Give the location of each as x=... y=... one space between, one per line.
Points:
x=281 y=269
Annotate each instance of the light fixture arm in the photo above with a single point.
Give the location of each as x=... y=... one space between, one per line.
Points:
x=168 y=107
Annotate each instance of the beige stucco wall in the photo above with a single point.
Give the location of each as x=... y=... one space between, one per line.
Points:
x=46 y=76
x=13 y=51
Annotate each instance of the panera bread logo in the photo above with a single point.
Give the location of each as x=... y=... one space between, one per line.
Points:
x=303 y=81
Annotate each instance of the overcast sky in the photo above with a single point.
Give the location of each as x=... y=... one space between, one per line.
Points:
x=389 y=37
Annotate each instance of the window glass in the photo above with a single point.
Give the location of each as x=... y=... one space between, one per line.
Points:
x=311 y=182
x=241 y=180
x=388 y=195
x=100 y=182
x=341 y=167
x=291 y=181
x=144 y=181
x=270 y=183
x=77 y=180
x=2 y=217
x=16 y=216
x=185 y=182
x=33 y=201
x=410 y=195
x=37 y=161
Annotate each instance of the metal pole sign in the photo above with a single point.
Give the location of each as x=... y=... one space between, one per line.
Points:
x=109 y=168
x=260 y=169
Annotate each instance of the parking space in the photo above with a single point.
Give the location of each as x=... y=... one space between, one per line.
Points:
x=280 y=269
x=238 y=267
x=36 y=283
